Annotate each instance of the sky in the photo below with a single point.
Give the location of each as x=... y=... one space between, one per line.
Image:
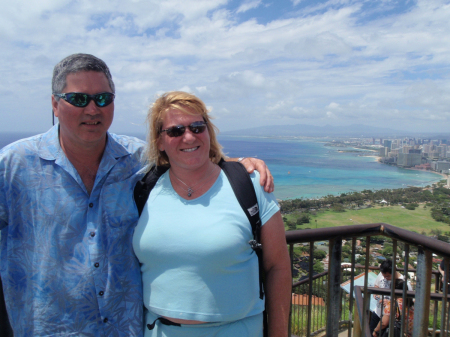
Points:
x=382 y=63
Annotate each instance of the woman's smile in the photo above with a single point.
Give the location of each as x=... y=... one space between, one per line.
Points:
x=191 y=149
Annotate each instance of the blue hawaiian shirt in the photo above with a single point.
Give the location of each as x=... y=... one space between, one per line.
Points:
x=67 y=263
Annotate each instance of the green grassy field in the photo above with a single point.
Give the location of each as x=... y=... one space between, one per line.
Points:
x=417 y=220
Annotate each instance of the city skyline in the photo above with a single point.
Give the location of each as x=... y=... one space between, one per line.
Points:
x=255 y=63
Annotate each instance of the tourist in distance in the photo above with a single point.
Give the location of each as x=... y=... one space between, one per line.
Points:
x=441 y=268
x=67 y=215
x=384 y=280
x=200 y=274
x=380 y=329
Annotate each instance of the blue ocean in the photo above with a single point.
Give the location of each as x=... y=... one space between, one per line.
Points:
x=308 y=169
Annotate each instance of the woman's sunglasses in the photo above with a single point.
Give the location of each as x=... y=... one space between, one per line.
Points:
x=179 y=130
x=81 y=100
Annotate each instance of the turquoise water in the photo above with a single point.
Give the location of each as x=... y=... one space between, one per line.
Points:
x=308 y=169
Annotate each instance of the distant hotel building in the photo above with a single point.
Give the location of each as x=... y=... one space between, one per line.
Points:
x=440 y=166
x=421 y=153
x=409 y=159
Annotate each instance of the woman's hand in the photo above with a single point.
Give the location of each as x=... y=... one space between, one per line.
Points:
x=266 y=178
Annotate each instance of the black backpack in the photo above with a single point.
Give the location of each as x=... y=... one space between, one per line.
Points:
x=245 y=193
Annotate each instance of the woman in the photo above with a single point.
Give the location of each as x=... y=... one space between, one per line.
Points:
x=200 y=275
x=384 y=322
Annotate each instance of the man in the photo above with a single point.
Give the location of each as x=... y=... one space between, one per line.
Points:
x=383 y=281
x=67 y=215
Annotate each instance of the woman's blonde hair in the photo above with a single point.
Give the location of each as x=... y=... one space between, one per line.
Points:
x=188 y=104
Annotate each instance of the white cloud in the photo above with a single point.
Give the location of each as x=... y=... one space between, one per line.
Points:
x=279 y=105
x=201 y=89
x=330 y=115
x=248 y=78
x=333 y=105
x=186 y=89
x=333 y=61
x=296 y=2
x=247 y=5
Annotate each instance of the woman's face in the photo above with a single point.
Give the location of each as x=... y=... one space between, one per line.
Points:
x=189 y=151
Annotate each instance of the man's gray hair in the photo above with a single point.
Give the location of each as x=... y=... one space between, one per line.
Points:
x=76 y=63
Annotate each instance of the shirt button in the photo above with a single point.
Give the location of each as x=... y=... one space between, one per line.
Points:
x=91 y=205
x=96 y=264
x=101 y=293
x=92 y=234
x=105 y=320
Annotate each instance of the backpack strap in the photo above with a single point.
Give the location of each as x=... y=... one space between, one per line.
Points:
x=145 y=185
x=245 y=194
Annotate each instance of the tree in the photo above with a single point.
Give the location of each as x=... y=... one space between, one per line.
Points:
x=436 y=232
x=338 y=207
x=319 y=254
x=346 y=249
x=387 y=251
x=291 y=225
x=303 y=219
x=318 y=267
x=361 y=260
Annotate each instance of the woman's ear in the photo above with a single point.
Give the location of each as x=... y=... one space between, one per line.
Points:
x=160 y=145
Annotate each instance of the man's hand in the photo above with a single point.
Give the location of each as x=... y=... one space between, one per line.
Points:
x=266 y=178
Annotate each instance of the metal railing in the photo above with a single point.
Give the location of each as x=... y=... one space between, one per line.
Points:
x=325 y=308
x=336 y=310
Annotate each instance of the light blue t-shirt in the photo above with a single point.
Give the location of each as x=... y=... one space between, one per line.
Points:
x=67 y=265
x=196 y=261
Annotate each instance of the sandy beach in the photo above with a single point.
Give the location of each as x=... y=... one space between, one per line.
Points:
x=376 y=158
x=416 y=169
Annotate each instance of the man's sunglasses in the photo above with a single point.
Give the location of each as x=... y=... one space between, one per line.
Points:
x=179 y=130
x=81 y=100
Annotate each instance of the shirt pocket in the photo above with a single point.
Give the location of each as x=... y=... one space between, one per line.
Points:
x=119 y=209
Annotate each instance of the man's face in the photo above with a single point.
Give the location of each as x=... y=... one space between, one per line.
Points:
x=84 y=127
x=387 y=276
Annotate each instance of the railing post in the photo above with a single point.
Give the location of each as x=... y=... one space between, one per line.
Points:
x=291 y=256
x=405 y=322
x=394 y=275
x=444 y=318
x=423 y=286
x=357 y=331
x=352 y=290
x=310 y=287
x=366 y=304
x=334 y=277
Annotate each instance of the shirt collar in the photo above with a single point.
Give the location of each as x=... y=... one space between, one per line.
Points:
x=50 y=149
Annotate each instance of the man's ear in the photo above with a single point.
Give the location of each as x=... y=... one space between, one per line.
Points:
x=55 y=106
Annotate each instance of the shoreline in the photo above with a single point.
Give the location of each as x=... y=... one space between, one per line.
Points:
x=421 y=170
x=376 y=158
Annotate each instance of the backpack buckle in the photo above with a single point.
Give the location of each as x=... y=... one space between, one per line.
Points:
x=255 y=244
